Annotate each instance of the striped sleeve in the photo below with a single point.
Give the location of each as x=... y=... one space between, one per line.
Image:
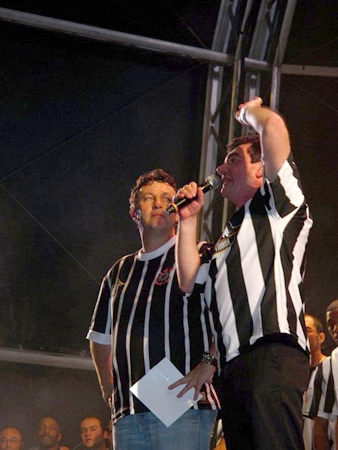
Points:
x=100 y=327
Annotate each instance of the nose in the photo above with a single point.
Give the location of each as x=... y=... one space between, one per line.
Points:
x=221 y=170
x=157 y=203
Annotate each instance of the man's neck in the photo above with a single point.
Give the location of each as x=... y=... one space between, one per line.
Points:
x=152 y=241
x=317 y=358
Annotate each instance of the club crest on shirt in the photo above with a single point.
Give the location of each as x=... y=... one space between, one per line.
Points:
x=222 y=244
x=163 y=277
x=226 y=239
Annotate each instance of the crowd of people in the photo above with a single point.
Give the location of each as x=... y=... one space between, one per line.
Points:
x=93 y=435
x=228 y=315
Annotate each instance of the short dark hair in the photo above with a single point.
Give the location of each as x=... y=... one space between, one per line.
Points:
x=93 y=417
x=317 y=323
x=254 y=151
x=149 y=177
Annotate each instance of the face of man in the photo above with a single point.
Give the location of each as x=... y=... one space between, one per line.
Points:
x=92 y=435
x=332 y=324
x=240 y=177
x=152 y=200
x=315 y=338
x=11 y=439
x=49 y=434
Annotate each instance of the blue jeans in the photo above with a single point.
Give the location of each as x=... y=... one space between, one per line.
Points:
x=144 y=431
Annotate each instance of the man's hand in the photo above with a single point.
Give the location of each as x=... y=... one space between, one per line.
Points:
x=190 y=191
x=195 y=379
x=240 y=114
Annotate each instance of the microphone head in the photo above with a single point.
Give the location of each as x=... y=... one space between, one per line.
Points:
x=214 y=181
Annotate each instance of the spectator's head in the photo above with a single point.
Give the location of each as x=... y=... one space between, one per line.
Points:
x=315 y=333
x=11 y=439
x=93 y=435
x=332 y=320
x=49 y=433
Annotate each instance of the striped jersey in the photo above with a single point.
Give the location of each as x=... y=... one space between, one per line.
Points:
x=326 y=386
x=144 y=316
x=254 y=277
x=316 y=399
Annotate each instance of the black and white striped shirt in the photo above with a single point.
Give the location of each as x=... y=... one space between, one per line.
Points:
x=326 y=384
x=254 y=278
x=319 y=400
x=142 y=313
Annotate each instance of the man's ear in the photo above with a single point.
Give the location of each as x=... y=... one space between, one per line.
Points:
x=135 y=214
x=260 y=170
x=321 y=337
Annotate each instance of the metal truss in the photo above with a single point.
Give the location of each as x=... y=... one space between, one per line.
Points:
x=255 y=33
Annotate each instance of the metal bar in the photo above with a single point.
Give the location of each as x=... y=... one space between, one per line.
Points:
x=117 y=37
x=284 y=33
x=46 y=359
x=316 y=71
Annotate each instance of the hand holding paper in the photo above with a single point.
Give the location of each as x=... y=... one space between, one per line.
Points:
x=195 y=379
x=152 y=390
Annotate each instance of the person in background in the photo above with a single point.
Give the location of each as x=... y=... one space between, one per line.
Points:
x=93 y=435
x=316 y=338
x=326 y=384
x=48 y=434
x=11 y=439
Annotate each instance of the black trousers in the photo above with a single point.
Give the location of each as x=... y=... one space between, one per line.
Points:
x=261 y=398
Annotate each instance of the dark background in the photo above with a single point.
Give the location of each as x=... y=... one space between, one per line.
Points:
x=80 y=121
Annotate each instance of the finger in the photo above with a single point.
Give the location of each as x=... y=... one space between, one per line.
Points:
x=197 y=393
x=183 y=391
x=177 y=383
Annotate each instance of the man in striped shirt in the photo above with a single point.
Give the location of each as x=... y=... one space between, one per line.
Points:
x=142 y=316
x=254 y=281
x=316 y=338
x=325 y=399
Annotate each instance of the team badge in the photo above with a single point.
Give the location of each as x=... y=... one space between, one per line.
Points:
x=226 y=239
x=222 y=244
x=163 y=277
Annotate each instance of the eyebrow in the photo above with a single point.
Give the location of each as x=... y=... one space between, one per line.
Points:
x=154 y=194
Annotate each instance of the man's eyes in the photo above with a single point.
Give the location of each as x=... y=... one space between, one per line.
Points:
x=151 y=198
x=232 y=160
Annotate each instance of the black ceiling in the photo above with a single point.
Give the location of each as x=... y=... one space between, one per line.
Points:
x=81 y=120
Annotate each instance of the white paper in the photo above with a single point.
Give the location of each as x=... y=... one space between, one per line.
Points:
x=152 y=390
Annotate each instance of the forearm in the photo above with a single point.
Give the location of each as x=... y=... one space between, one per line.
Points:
x=101 y=355
x=274 y=136
x=187 y=256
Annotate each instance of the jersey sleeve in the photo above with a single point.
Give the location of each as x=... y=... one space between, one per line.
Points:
x=100 y=327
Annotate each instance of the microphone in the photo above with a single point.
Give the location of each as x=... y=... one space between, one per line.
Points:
x=212 y=182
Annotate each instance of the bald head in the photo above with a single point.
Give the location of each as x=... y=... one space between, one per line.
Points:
x=11 y=439
x=49 y=433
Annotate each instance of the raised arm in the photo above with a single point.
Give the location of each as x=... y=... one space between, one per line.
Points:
x=187 y=256
x=274 y=136
x=101 y=355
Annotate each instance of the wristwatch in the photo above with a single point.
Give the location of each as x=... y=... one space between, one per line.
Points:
x=209 y=359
